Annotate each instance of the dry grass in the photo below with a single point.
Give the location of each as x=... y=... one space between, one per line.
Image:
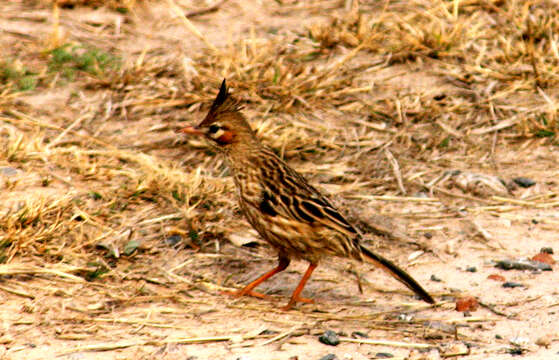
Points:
x=385 y=97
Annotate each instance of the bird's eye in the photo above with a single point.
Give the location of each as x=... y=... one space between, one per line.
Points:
x=213 y=129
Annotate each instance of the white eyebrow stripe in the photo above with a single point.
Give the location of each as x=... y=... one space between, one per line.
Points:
x=217 y=134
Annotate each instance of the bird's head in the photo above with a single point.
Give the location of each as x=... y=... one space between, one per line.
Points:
x=224 y=125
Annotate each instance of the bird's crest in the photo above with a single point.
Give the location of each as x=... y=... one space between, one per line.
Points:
x=222 y=104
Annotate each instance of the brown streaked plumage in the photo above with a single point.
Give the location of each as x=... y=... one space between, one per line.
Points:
x=291 y=215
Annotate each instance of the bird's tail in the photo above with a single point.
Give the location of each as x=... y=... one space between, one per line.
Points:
x=397 y=273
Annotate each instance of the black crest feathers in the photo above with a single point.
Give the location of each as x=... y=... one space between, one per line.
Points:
x=222 y=96
x=224 y=102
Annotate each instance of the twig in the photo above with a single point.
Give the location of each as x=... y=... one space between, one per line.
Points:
x=354 y=271
x=126 y=344
x=29 y=119
x=388 y=343
x=525 y=203
x=486 y=235
x=495 y=135
x=469 y=319
x=103 y=347
x=160 y=219
x=467 y=351
x=376 y=127
x=17 y=292
x=500 y=126
x=530 y=48
x=13 y=269
x=396 y=170
x=393 y=198
x=190 y=26
x=19 y=34
x=56 y=141
x=205 y=11
x=281 y=336
x=457 y=134
x=461 y=196
x=493 y=310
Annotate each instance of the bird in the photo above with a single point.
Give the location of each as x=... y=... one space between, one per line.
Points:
x=294 y=217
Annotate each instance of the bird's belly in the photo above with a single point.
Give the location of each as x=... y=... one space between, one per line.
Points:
x=294 y=239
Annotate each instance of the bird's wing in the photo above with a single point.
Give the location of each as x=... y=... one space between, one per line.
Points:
x=288 y=194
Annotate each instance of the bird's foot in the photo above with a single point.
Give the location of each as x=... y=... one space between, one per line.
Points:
x=295 y=300
x=245 y=293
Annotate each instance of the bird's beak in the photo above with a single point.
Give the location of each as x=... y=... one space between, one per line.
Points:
x=190 y=130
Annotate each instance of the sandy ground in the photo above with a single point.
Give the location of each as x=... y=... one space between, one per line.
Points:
x=165 y=303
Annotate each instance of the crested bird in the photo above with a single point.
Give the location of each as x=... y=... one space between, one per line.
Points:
x=290 y=214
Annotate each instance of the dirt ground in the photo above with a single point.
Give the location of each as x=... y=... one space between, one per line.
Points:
x=117 y=236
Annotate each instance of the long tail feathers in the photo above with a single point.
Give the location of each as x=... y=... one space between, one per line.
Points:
x=397 y=273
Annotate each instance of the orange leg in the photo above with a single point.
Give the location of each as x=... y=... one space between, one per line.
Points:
x=296 y=294
x=247 y=290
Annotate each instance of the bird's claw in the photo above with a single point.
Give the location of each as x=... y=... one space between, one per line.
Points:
x=293 y=301
x=240 y=293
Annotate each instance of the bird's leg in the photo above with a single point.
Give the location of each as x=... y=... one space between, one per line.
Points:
x=296 y=294
x=247 y=290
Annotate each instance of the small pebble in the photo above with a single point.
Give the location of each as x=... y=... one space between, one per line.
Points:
x=433 y=336
x=515 y=351
x=329 y=338
x=435 y=278
x=544 y=258
x=359 y=334
x=510 y=284
x=421 y=194
x=383 y=355
x=329 y=357
x=468 y=303
x=544 y=341
x=471 y=269
x=522 y=264
x=405 y=317
x=428 y=235
x=269 y=332
x=498 y=337
x=429 y=354
x=496 y=277
x=440 y=326
x=524 y=182
x=458 y=349
x=173 y=240
x=547 y=250
x=8 y=171
x=130 y=247
x=520 y=341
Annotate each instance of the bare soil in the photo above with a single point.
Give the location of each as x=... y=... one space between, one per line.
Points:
x=115 y=233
